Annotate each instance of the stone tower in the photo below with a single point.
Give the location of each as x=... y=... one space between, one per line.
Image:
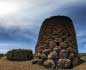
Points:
x=57 y=38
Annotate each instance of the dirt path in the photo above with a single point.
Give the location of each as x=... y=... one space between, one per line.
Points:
x=13 y=65
x=27 y=65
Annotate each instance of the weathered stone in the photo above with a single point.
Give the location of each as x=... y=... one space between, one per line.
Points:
x=38 y=55
x=40 y=50
x=41 y=47
x=72 y=50
x=53 y=55
x=57 y=49
x=45 y=46
x=52 y=44
x=63 y=45
x=58 y=40
x=49 y=63
x=47 y=51
x=63 y=54
x=64 y=63
x=35 y=60
x=71 y=56
x=40 y=61
x=43 y=56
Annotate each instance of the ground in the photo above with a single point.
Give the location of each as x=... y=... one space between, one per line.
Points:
x=27 y=65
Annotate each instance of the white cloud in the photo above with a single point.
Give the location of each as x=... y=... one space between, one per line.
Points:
x=31 y=12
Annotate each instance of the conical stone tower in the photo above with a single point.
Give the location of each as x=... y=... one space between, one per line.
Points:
x=57 y=44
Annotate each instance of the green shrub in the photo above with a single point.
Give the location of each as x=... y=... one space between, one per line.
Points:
x=19 y=55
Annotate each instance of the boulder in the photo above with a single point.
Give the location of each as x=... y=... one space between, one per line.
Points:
x=45 y=46
x=63 y=54
x=38 y=55
x=53 y=55
x=49 y=63
x=35 y=60
x=40 y=61
x=47 y=51
x=63 y=45
x=71 y=56
x=57 y=49
x=43 y=56
x=64 y=63
x=72 y=50
x=52 y=44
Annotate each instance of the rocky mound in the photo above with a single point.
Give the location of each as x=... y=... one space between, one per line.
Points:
x=19 y=54
x=57 y=45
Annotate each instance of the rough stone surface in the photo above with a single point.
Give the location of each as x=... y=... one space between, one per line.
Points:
x=53 y=55
x=56 y=49
x=38 y=55
x=63 y=45
x=47 y=51
x=49 y=63
x=64 y=63
x=63 y=54
x=40 y=61
x=35 y=60
x=43 y=56
x=57 y=40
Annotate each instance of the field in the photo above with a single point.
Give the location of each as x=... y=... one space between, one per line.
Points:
x=27 y=65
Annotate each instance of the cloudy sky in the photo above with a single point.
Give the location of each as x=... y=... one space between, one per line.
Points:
x=20 y=21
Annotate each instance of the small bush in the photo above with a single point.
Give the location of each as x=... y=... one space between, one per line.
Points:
x=19 y=55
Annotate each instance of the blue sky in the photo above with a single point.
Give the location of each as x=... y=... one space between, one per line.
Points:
x=20 y=21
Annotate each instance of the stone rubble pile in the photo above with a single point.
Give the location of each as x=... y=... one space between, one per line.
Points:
x=60 y=56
